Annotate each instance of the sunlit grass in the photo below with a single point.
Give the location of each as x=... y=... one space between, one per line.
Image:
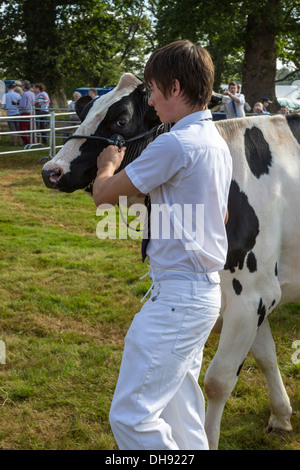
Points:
x=66 y=301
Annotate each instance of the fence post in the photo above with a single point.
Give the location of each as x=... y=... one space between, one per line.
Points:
x=52 y=134
x=32 y=124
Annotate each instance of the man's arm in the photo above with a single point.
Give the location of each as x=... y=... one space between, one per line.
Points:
x=107 y=186
x=226 y=217
x=232 y=96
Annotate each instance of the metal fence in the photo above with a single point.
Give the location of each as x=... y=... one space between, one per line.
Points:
x=52 y=131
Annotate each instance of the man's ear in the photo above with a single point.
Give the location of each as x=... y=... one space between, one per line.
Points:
x=176 y=88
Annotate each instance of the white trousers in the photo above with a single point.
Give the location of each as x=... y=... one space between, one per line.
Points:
x=158 y=404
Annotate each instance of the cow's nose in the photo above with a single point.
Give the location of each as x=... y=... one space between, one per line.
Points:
x=51 y=176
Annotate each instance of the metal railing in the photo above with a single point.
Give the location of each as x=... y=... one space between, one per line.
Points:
x=51 y=132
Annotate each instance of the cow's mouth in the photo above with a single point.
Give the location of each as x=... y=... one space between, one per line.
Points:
x=55 y=178
x=52 y=177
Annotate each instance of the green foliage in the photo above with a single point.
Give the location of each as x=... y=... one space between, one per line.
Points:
x=91 y=43
x=223 y=27
x=81 y=43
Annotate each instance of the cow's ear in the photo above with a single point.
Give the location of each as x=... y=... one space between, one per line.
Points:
x=143 y=88
x=150 y=118
x=81 y=104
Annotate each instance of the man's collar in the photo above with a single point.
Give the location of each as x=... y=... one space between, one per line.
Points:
x=193 y=118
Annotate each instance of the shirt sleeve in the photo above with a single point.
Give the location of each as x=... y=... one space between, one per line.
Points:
x=157 y=164
x=241 y=98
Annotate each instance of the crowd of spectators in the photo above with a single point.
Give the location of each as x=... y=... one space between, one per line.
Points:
x=238 y=105
x=20 y=100
x=23 y=99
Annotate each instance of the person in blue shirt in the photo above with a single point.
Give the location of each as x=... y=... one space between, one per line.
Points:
x=41 y=104
x=25 y=106
x=11 y=106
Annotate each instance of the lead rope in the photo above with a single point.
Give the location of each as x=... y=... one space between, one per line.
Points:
x=148 y=291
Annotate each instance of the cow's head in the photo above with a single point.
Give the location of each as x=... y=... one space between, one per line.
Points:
x=123 y=111
x=217 y=99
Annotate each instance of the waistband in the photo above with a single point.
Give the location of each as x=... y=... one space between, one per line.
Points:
x=189 y=284
x=183 y=276
x=200 y=291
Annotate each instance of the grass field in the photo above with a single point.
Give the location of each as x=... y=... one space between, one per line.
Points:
x=66 y=301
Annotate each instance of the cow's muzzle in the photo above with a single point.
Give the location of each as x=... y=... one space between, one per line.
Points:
x=51 y=177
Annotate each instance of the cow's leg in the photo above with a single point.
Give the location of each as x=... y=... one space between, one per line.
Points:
x=263 y=350
x=238 y=332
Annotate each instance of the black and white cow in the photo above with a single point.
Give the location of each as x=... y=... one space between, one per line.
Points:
x=262 y=269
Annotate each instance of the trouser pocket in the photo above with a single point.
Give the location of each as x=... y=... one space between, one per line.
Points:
x=195 y=328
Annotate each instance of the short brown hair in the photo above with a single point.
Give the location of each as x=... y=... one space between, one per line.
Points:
x=190 y=64
x=41 y=86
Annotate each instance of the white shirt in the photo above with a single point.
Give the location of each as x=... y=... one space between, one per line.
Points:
x=188 y=169
x=239 y=107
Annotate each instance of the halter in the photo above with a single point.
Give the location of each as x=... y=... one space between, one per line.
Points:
x=118 y=140
x=134 y=145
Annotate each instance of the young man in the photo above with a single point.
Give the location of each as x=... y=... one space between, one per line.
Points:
x=235 y=108
x=158 y=404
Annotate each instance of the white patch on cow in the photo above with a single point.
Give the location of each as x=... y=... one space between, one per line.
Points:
x=225 y=100
x=95 y=116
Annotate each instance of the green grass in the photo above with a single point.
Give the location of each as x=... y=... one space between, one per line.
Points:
x=66 y=301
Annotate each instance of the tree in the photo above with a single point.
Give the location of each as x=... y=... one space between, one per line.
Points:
x=269 y=30
x=81 y=43
x=244 y=37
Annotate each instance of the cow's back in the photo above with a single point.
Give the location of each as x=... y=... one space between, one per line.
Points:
x=264 y=215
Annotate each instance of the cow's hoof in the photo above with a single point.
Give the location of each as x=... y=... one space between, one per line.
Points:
x=279 y=432
x=278 y=427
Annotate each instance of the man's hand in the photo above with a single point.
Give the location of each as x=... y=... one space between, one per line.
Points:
x=110 y=159
x=108 y=186
x=228 y=93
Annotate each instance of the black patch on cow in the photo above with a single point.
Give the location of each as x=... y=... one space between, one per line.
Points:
x=83 y=105
x=272 y=304
x=240 y=368
x=276 y=269
x=258 y=152
x=261 y=312
x=251 y=262
x=242 y=228
x=293 y=121
x=237 y=286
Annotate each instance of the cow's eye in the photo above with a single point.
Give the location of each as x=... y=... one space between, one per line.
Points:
x=121 y=122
